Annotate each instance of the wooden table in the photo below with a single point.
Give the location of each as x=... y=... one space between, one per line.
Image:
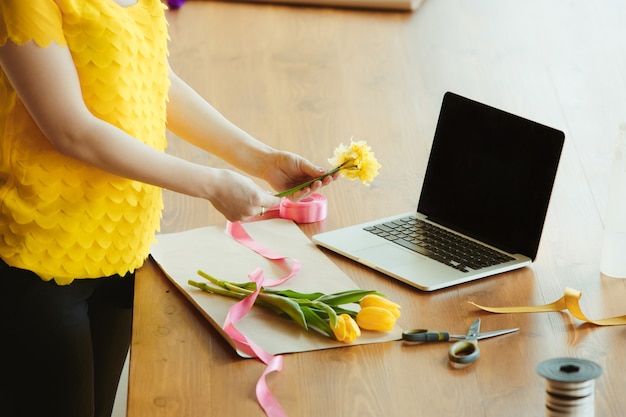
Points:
x=306 y=79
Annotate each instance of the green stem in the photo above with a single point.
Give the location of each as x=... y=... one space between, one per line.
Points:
x=308 y=183
x=246 y=286
x=261 y=300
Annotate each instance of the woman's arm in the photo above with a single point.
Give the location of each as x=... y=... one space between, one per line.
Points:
x=192 y=118
x=47 y=83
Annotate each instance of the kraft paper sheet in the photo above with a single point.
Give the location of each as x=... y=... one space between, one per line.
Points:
x=214 y=251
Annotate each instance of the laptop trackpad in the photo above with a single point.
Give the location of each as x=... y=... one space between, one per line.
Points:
x=387 y=256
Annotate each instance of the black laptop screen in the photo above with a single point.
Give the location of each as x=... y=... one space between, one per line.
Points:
x=490 y=174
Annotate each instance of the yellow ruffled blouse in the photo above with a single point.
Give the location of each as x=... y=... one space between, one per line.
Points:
x=61 y=218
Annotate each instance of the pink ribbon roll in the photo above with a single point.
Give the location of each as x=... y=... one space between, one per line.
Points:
x=311 y=209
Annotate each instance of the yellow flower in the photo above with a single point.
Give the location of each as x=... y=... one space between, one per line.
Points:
x=356 y=161
x=346 y=330
x=373 y=300
x=375 y=318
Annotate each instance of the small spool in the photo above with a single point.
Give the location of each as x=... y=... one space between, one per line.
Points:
x=570 y=388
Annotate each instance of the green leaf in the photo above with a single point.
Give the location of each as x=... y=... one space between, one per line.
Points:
x=332 y=315
x=341 y=311
x=338 y=311
x=316 y=321
x=287 y=306
x=345 y=297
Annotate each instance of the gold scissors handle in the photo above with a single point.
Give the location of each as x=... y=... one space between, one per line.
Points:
x=466 y=351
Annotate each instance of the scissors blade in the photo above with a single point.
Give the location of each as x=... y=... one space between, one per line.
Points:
x=472 y=333
x=486 y=335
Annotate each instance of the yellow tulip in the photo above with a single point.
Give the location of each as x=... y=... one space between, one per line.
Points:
x=373 y=300
x=346 y=330
x=375 y=318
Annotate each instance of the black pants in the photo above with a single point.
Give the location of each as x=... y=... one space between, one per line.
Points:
x=62 y=348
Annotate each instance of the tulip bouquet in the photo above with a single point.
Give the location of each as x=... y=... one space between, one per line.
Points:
x=319 y=311
x=355 y=161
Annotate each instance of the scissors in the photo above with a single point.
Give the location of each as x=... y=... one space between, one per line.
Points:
x=463 y=351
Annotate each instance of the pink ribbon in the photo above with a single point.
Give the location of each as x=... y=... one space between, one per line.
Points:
x=311 y=209
x=274 y=362
x=237 y=231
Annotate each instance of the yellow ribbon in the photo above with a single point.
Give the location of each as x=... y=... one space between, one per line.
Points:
x=568 y=302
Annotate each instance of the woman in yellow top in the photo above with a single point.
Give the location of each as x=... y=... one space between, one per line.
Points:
x=86 y=94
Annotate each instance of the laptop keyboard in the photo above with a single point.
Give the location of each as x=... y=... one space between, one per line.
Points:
x=439 y=244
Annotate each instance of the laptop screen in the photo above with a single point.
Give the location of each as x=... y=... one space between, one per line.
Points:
x=490 y=174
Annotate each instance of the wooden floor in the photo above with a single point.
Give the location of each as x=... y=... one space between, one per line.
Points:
x=297 y=77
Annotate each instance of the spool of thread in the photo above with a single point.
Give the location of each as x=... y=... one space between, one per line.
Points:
x=570 y=386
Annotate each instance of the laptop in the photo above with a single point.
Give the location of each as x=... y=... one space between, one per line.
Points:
x=482 y=206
